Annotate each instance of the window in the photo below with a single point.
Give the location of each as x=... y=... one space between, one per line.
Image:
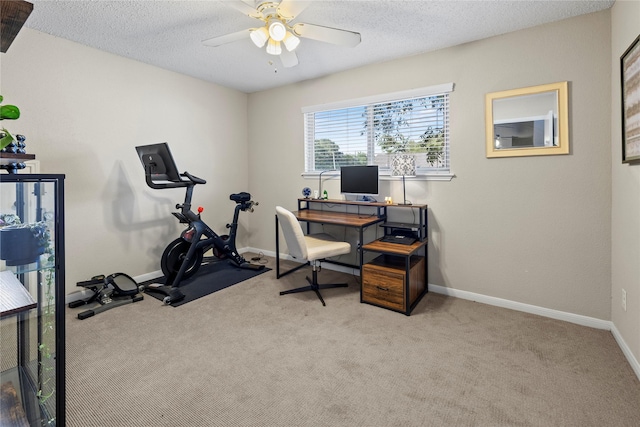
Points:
x=373 y=130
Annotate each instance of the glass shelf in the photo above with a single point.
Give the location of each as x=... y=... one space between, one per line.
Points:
x=15 y=297
x=28 y=268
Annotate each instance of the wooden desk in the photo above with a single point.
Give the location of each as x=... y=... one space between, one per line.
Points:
x=396 y=279
x=337 y=218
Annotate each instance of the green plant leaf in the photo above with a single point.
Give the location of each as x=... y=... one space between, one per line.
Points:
x=9 y=112
x=6 y=140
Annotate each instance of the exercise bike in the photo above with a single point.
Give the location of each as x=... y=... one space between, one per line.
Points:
x=183 y=257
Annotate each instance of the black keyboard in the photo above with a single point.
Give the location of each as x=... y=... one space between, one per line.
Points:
x=403 y=240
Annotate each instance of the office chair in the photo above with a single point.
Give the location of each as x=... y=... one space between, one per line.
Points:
x=312 y=248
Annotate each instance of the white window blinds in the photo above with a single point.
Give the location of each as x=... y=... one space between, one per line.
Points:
x=374 y=130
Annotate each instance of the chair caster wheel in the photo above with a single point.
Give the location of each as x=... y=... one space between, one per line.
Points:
x=166 y=300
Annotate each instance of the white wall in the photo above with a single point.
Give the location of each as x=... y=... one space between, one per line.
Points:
x=84 y=111
x=625 y=229
x=534 y=230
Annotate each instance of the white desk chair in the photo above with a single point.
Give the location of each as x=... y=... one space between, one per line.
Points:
x=312 y=247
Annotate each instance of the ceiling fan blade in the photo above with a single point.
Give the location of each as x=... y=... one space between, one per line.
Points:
x=244 y=7
x=327 y=34
x=290 y=9
x=288 y=59
x=227 y=38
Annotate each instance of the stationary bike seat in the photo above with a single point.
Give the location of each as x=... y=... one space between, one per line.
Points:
x=240 y=197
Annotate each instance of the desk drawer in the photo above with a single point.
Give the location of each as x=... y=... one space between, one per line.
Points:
x=383 y=286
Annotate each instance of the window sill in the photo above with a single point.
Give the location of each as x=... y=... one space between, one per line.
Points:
x=434 y=176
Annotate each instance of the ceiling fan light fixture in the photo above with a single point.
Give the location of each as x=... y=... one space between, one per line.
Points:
x=259 y=36
x=291 y=42
x=273 y=47
x=277 y=30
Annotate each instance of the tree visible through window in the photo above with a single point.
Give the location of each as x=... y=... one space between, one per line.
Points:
x=374 y=132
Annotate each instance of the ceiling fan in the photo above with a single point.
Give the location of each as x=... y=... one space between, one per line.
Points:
x=278 y=32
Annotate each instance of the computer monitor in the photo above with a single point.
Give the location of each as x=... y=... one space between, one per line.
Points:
x=359 y=180
x=158 y=161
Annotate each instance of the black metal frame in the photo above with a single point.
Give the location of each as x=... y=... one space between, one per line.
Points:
x=623 y=100
x=59 y=266
x=418 y=230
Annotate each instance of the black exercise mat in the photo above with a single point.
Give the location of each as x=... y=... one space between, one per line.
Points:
x=210 y=278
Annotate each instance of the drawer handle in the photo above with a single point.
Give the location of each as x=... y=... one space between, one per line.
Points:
x=382 y=289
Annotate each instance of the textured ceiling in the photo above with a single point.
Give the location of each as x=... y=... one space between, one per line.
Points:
x=168 y=34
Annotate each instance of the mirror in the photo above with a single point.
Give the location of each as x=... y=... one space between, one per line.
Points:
x=531 y=121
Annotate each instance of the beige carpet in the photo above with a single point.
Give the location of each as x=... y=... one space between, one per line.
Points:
x=246 y=356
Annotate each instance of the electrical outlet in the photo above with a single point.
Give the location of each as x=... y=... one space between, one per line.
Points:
x=624 y=300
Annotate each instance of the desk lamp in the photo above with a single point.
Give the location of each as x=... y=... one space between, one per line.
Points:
x=320 y=193
x=403 y=165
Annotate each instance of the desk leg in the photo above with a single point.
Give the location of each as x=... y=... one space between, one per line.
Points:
x=407 y=285
x=277 y=250
x=361 y=256
x=426 y=268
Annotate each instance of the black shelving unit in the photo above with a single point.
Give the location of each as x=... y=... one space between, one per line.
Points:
x=32 y=312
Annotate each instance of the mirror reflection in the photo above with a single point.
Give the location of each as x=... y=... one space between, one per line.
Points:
x=527 y=121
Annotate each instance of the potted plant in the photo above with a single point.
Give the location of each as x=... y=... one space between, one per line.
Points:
x=7 y=112
x=22 y=244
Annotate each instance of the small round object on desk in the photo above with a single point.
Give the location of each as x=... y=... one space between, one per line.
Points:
x=306 y=192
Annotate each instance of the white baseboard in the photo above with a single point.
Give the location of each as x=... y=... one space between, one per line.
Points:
x=527 y=308
x=148 y=276
x=626 y=350
x=75 y=296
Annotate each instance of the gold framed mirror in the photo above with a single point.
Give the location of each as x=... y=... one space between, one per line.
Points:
x=530 y=121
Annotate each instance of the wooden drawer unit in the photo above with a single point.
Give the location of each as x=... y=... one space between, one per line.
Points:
x=384 y=282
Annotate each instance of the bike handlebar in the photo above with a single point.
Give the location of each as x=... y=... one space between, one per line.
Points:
x=158 y=185
x=193 y=178
x=164 y=183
